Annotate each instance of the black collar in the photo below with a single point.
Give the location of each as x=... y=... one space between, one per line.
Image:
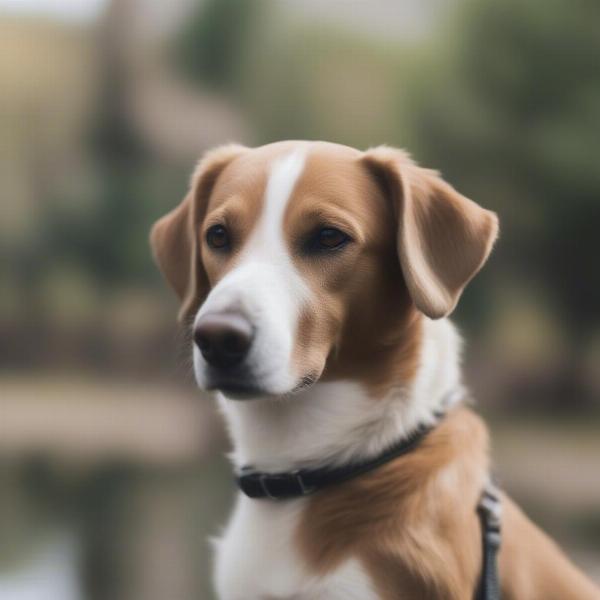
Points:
x=286 y=485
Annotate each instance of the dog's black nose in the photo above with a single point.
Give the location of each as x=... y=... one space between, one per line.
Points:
x=223 y=338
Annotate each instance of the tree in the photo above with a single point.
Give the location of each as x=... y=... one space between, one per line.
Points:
x=514 y=117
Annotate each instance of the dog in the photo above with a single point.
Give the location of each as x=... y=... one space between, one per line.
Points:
x=316 y=281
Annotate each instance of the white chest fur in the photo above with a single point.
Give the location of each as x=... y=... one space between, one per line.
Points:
x=257 y=559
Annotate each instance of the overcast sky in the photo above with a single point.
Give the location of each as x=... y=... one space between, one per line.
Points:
x=66 y=10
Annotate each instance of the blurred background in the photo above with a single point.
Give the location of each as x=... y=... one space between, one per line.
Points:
x=112 y=468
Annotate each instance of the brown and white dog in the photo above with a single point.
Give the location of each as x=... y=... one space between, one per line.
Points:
x=316 y=279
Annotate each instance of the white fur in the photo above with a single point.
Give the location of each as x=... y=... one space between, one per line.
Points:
x=266 y=287
x=330 y=422
x=257 y=558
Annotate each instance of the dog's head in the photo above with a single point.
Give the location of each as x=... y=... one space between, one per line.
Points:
x=301 y=260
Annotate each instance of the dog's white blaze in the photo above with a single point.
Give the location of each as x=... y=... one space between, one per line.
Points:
x=283 y=178
x=266 y=286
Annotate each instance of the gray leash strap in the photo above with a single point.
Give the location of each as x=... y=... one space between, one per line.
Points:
x=490 y=516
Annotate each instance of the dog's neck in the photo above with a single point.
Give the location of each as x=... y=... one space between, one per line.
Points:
x=335 y=422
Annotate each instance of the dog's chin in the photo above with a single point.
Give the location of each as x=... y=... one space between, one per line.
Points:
x=242 y=392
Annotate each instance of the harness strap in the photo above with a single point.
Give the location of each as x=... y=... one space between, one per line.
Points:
x=490 y=515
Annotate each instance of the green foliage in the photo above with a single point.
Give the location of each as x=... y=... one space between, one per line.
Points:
x=290 y=78
x=214 y=39
x=505 y=101
x=513 y=119
x=110 y=240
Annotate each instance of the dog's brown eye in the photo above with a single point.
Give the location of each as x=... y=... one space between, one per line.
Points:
x=217 y=237
x=330 y=238
x=325 y=239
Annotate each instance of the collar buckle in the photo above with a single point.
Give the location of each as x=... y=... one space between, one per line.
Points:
x=295 y=477
x=262 y=479
x=304 y=487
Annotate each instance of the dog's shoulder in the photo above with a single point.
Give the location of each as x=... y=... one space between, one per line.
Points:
x=406 y=522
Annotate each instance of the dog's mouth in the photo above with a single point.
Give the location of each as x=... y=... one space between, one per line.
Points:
x=241 y=386
x=235 y=383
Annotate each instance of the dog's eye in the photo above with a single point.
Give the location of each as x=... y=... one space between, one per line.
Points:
x=326 y=238
x=217 y=237
x=331 y=238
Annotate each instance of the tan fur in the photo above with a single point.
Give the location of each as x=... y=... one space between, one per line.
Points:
x=533 y=567
x=405 y=520
x=386 y=203
x=443 y=237
x=417 y=242
x=174 y=238
x=361 y=323
x=413 y=524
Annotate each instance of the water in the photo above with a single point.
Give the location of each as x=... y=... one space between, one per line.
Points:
x=50 y=573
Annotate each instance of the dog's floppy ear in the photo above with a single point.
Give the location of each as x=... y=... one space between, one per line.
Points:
x=443 y=238
x=174 y=238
